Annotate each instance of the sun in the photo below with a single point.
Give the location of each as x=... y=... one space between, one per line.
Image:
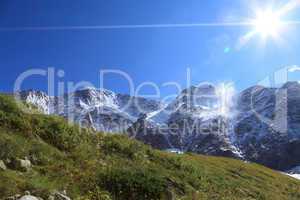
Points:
x=267 y=23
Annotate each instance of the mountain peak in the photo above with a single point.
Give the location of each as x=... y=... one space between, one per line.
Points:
x=201 y=89
x=290 y=84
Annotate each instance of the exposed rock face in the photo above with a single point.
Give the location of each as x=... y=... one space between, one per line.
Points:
x=294 y=172
x=37 y=98
x=265 y=129
x=268 y=124
x=150 y=133
x=192 y=122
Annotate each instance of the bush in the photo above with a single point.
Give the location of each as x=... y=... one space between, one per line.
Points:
x=96 y=194
x=125 y=183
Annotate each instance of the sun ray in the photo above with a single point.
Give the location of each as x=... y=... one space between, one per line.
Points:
x=285 y=9
x=288 y=7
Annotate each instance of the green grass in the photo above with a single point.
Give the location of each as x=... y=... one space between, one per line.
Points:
x=98 y=166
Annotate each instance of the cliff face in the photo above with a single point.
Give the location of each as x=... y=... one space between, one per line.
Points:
x=267 y=125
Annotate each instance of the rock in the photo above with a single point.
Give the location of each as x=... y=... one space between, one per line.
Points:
x=10 y=198
x=51 y=197
x=59 y=196
x=2 y=166
x=22 y=165
x=15 y=197
x=28 y=197
x=27 y=193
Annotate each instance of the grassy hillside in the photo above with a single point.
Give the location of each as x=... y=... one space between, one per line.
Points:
x=102 y=167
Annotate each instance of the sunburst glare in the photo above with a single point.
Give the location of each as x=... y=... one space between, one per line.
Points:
x=268 y=23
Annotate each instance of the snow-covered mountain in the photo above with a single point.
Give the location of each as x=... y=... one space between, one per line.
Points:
x=102 y=110
x=294 y=172
x=194 y=121
x=37 y=98
x=260 y=124
x=267 y=126
x=264 y=126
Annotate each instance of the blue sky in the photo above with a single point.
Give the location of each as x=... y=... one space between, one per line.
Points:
x=146 y=54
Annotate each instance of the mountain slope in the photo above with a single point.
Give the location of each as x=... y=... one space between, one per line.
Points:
x=262 y=126
x=100 y=166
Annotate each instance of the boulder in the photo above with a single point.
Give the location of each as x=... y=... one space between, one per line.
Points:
x=28 y=197
x=2 y=166
x=22 y=165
